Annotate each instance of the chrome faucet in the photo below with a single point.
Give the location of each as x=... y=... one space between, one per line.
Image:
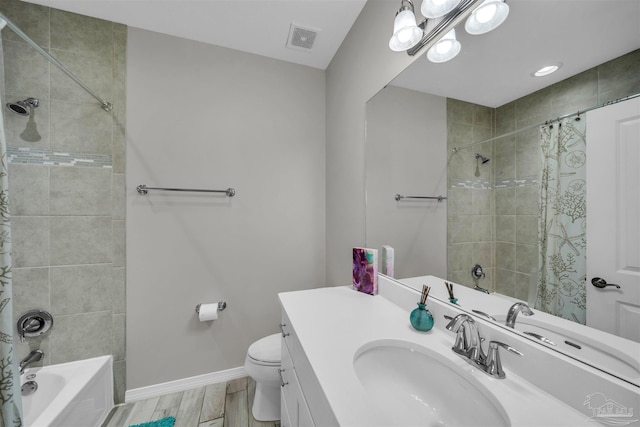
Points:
x=514 y=310
x=33 y=357
x=468 y=344
x=467 y=338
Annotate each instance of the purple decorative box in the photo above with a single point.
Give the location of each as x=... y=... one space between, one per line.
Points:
x=365 y=270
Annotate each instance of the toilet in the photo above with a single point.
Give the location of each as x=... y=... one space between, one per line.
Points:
x=262 y=364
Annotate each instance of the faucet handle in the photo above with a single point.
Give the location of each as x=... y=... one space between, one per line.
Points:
x=496 y=344
x=493 y=365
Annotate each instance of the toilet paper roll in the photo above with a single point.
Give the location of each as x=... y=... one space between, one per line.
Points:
x=208 y=312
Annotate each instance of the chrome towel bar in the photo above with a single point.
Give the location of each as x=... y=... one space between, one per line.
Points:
x=438 y=198
x=143 y=189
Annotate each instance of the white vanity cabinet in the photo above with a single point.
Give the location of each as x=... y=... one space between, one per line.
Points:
x=293 y=406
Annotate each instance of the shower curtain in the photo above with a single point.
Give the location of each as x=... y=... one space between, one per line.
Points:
x=10 y=397
x=562 y=220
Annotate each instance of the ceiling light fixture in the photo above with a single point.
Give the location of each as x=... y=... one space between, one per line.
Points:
x=488 y=16
x=445 y=49
x=545 y=71
x=406 y=33
x=437 y=8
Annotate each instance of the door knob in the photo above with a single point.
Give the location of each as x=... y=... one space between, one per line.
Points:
x=601 y=283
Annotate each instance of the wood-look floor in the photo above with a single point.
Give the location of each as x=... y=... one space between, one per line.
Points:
x=226 y=404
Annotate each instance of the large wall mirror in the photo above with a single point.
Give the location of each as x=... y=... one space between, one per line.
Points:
x=470 y=130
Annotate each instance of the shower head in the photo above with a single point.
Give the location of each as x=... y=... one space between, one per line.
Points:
x=23 y=108
x=483 y=158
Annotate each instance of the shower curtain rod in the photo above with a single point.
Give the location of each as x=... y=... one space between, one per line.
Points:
x=547 y=122
x=106 y=106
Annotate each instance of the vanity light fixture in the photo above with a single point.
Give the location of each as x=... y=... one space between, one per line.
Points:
x=445 y=49
x=488 y=16
x=441 y=16
x=437 y=8
x=406 y=33
x=545 y=71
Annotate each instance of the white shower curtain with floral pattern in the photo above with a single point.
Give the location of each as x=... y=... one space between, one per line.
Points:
x=562 y=220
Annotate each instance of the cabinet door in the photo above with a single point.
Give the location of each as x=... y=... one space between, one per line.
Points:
x=304 y=416
x=296 y=411
x=288 y=385
x=285 y=421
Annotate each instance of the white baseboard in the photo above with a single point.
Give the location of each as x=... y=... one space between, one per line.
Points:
x=183 y=384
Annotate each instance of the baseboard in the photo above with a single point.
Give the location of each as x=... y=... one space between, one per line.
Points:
x=183 y=384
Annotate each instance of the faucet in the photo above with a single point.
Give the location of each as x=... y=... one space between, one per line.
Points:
x=467 y=338
x=469 y=345
x=34 y=356
x=514 y=310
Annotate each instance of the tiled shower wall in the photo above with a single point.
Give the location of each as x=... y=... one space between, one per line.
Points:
x=470 y=204
x=67 y=188
x=515 y=165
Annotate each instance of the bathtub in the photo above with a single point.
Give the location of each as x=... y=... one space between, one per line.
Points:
x=74 y=394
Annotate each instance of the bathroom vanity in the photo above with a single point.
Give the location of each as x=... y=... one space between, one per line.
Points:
x=352 y=359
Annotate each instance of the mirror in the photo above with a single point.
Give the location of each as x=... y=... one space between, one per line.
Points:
x=492 y=188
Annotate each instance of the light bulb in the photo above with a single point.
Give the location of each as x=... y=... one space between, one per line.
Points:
x=486 y=13
x=445 y=49
x=406 y=33
x=444 y=46
x=488 y=16
x=437 y=8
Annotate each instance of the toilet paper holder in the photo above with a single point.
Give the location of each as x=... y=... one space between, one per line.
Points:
x=221 y=306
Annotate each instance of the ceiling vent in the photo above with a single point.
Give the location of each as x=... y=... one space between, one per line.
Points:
x=301 y=38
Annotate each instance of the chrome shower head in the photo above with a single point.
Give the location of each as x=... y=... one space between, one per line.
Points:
x=23 y=108
x=483 y=158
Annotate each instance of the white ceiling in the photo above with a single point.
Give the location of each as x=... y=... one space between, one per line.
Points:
x=254 y=26
x=495 y=68
x=492 y=69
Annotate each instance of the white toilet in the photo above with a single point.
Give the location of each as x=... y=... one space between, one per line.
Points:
x=262 y=364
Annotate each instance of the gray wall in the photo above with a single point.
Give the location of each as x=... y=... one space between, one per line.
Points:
x=363 y=65
x=68 y=217
x=201 y=116
x=406 y=153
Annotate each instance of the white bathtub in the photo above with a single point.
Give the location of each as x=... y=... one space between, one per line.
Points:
x=74 y=394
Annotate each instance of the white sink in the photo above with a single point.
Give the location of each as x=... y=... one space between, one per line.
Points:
x=580 y=346
x=418 y=386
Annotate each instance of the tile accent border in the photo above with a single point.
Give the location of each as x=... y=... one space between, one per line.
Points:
x=184 y=384
x=486 y=185
x=38 y=156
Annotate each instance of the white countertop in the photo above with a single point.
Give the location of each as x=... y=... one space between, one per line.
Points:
x=333 y=323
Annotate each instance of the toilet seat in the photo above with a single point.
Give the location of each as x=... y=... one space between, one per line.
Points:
x=266 y=351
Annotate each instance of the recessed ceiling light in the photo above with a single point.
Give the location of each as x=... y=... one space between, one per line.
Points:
x=546 y=70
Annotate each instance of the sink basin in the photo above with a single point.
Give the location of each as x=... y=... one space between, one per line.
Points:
x=580 y=346
x=418 y=386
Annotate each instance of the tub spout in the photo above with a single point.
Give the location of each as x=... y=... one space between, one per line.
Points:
x=34 y=356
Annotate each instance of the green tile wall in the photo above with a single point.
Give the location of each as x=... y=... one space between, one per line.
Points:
x=510 y=258
x=67 y=189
